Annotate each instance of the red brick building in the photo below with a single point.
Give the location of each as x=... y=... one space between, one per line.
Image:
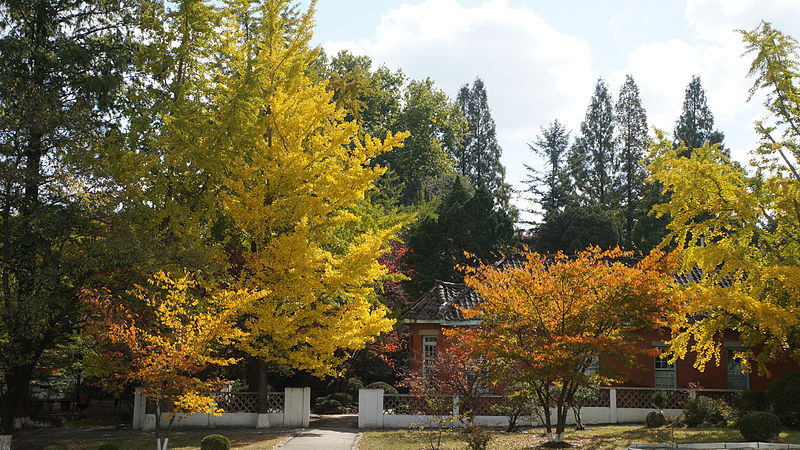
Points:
x=439 y=308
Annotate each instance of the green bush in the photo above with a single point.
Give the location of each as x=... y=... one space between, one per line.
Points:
x=701 y=410
x=215 y=442
x=748 y=401
x=336 y=403
x=387 y=388
x=476 y=437
x=353 y=385
x=784 y=395
x=659 y=399
x=108 y=446
x=760 y=426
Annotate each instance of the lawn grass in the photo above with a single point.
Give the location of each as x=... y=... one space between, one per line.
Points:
x=599 y=437
x=183 y=441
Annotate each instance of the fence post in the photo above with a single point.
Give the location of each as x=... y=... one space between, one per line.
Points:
x=455 y=406
x=139 y=404
x=370 y=408
x=612 y=410
x=297 y=407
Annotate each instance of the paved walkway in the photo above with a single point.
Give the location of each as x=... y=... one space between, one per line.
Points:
x=322 y=439
x=325 y=432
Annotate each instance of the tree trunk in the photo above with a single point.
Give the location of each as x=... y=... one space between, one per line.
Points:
x=17 y=392
x=257 y=381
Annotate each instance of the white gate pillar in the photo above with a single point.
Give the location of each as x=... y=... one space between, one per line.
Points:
x=297 y=407
x=370 y=408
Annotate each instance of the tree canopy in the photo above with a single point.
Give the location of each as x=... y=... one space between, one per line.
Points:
x=545 y=320
x=741 y=230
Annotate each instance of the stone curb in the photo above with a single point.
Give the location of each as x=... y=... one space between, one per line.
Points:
x=715 y=445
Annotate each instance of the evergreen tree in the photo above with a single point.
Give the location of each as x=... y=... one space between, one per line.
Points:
x=468 y=221
x=632 y=142
x=478 y=156
x=577 y=227
x=695 y=125
x=551 y=186
x=594 y=160
x=62 y=65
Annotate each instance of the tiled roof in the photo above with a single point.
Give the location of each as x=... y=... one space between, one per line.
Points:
x=442 y=301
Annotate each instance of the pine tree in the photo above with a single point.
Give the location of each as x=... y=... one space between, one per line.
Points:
x=467 y=221
x=695 y=125
x=551 y=186
x=478 y=156
x=632 y=141
x=593 y=159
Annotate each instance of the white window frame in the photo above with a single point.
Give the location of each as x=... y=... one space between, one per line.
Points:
x=429 y=343
x=735 y=371
x=661 y=366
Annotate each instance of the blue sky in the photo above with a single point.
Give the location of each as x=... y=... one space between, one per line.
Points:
x=540 y=59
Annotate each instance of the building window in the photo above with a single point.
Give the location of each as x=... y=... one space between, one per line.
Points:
x=738 y=378
x=664 y=371
x=428 y=353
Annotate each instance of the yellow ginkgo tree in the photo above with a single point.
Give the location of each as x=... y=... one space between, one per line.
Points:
x=293 y=175
x=740 y=228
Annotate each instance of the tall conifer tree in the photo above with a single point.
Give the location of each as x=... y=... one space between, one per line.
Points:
x=478 y=158
x=695 y=125
x=594 y=160
x=632 y=142
x=551 y=186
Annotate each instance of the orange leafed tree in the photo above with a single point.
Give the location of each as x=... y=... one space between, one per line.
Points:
x=547 y=320
x=162 y=336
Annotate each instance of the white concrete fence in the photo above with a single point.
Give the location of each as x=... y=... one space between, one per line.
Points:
x=612 y=405
x=288 y=409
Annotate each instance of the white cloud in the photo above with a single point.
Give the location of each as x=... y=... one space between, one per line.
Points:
x=533 y=72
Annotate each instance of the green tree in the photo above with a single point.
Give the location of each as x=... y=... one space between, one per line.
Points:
x=373 y=97
x=423 y=165
x=478 y=156
x=577 y=227
x=62 y=65
x=632 y=141
x=551 y=186
x=468 y=221
x=695 y=125
x=594 y=159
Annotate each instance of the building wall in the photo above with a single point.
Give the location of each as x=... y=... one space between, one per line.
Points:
x=418 y=330
x=642 y=374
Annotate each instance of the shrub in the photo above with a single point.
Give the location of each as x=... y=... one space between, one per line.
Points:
x=387 y=388
x=108 y=446
x=784 y=394
x=759 y=426
x=335 y=403
x=701 y=410
x=353 y=385
x=477 y=438
x=747 y=401
x=215 y=442
x=659 y=399
x=655 y=420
